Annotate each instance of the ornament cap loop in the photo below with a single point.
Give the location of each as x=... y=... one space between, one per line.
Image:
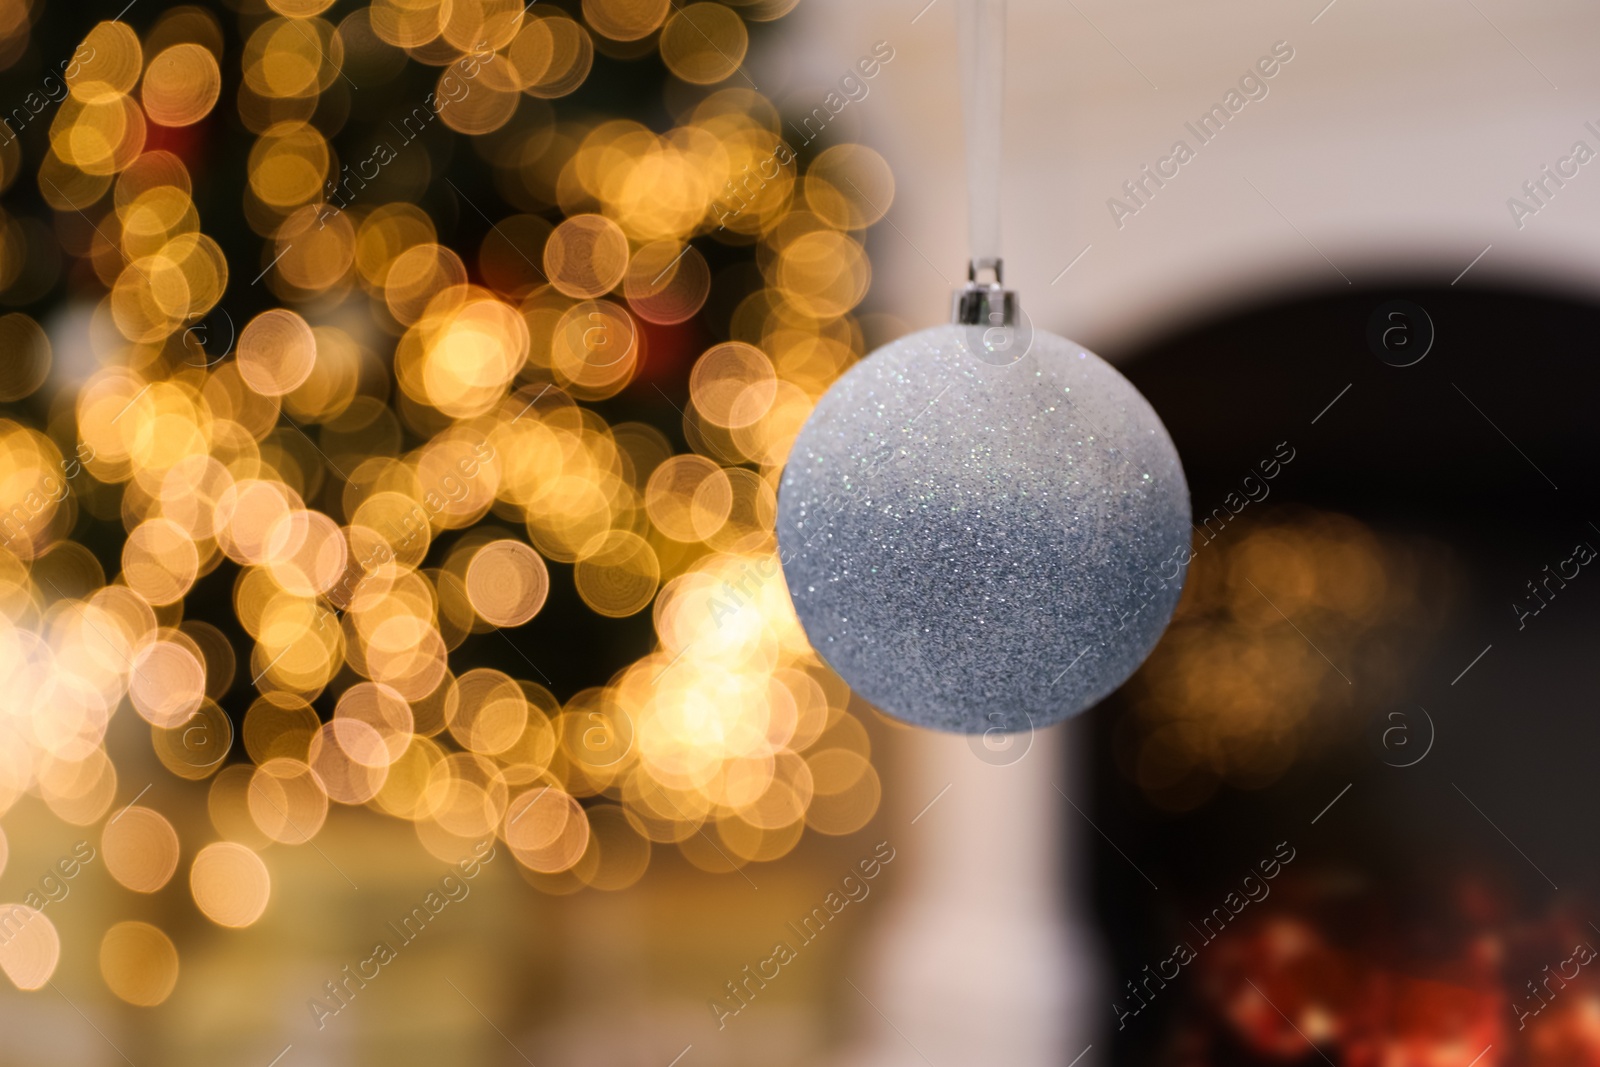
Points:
x=984 y=303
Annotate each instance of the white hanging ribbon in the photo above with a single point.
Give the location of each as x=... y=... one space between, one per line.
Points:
x=982 y=27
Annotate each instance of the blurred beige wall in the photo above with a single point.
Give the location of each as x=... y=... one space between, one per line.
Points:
x=1391 y=142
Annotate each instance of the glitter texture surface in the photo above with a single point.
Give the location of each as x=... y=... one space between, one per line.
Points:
x=974 y=546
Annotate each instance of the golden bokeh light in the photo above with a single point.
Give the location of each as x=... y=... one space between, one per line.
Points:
x=849 y=186
x=617 y=574
x=490 y=713
x=181 y=85
x=277 y=352
x=704 y=43
x=140 y=848
x=112 y=57
x=196 y=747
x=823 y=272
x=625 y=20
x=846 y=791
x=230 y=884
x=507 y=583
x=546 y=829
x=667 y=282
x=689 y=498
x=299 y=9
x=287 y=800
x=594 y=349
x=586 y=256
x=160 y=561
x=733 y=385
x=167 y=681
x=138 y=963
x=31 y=948
x=570 y=51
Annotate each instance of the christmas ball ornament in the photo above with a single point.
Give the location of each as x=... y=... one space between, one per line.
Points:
x=983 y=527
x=977 y=540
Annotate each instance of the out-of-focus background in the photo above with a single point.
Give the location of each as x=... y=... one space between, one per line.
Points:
x=1388 y=145
x=398 y=668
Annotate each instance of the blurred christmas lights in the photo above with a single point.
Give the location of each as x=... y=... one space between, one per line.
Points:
x=372 y=531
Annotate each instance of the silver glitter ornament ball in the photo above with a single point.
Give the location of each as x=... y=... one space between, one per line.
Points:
x=979 y=541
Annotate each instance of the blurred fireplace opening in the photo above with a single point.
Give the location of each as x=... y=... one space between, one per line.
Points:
x=1420 y=917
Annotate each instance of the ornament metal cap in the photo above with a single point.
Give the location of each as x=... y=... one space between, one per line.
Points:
x=983 y=304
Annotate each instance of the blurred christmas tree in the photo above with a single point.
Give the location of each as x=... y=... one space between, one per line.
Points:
x=397 y=397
